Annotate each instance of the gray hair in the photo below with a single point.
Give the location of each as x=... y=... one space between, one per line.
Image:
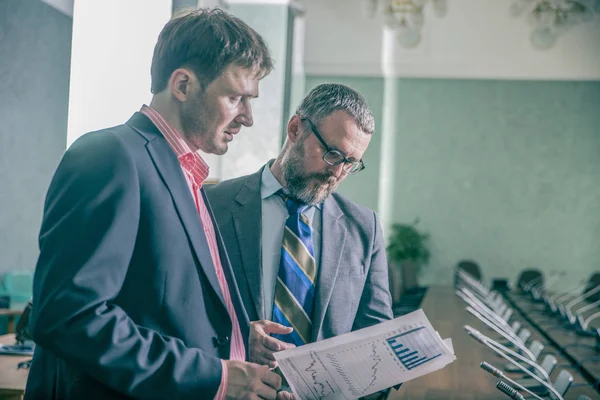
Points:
x=329 y=97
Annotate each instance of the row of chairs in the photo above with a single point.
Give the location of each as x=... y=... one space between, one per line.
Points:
x=491 y=309
x=575 y=309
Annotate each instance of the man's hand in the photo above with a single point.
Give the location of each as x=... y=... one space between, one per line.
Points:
x=262 y=345
x=250 y=381
x=286 y=396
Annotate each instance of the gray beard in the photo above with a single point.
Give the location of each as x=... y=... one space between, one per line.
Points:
x=297 y=181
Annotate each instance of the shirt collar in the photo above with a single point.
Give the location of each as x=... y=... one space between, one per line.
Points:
x=190 y=160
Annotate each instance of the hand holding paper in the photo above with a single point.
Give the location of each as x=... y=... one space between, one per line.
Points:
x=366 y=361
x=262 y=345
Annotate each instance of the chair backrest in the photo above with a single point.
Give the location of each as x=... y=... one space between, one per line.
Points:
x=470 y=267
x=507 y=314
x=536 y=348
x=527 y=275
x=516 y=326
x=524 y=335
x=548 y=364
x=563 y=382
x=592 y=283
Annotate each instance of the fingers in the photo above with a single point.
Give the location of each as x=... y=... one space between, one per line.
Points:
x=286 y=396
x=266 y=358
x=274 y=327
x=272 y=380
x=274 y=344
x=260 y=354
x=267 y=393
x=270 y=345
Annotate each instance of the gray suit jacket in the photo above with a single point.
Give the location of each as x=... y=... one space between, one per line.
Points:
x=352 y=282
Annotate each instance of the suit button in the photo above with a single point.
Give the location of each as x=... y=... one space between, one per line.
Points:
x=221 y=340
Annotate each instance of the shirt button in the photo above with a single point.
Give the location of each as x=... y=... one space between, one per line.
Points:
x=221 y=340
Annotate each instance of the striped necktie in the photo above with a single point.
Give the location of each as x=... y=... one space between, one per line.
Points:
x=295 y=287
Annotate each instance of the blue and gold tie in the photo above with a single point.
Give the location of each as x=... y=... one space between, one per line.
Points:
x=295 y=287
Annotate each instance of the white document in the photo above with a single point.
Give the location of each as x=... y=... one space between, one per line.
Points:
x=366 y=361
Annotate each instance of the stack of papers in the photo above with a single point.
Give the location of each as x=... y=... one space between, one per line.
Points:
x=366 y=361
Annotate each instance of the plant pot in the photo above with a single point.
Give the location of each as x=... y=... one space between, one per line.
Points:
x=395 y=280
x=409 y=275
x=402 y=277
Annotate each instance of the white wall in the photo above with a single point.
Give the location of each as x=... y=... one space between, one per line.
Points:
x=476 y=39
x=113 y=41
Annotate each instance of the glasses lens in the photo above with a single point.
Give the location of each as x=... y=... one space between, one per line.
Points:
x=333 y=157
x=353 y=168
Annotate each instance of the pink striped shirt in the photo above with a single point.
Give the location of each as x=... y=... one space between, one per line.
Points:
x=195 y=170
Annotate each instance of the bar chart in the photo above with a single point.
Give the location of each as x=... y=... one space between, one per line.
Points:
x=414 y=347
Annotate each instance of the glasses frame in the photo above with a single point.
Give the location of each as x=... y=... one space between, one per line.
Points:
x=330 y=150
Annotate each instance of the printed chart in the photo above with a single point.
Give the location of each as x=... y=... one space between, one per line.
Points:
x=414 y=347
x=359 y=363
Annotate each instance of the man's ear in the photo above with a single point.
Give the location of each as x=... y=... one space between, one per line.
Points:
x=181 y=83
x=294 y=128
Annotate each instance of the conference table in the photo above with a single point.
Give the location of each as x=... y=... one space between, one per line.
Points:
x=12 y=379
x=464 y=379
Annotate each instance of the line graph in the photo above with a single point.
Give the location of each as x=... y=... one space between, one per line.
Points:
x=323 y=389
x=414 y=347
x=376 y=360
x=312 y=378
x=363 y=370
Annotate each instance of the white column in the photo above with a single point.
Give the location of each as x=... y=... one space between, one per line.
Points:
x=388 y=132
x=113 y=41
x=274 y=20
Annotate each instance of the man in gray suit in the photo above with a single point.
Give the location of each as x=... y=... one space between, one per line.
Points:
x=310 y=264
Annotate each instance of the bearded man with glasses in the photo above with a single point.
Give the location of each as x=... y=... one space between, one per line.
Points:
x=310 y=264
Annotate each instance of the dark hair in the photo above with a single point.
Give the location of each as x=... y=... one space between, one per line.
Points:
x=207 y=41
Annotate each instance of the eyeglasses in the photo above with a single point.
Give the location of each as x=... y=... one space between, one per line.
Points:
x=334 y=157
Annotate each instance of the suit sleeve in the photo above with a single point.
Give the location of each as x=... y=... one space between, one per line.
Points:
x=376 y=302
x=87 y=239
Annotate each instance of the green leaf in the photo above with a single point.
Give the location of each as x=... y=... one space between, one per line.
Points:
x=406 y=242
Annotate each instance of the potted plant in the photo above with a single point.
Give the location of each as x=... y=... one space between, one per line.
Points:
x=407 y=251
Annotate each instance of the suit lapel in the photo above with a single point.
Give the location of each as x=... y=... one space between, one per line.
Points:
x=170 y=171
x=234 y=292
x=248 y=229
x=331 y=227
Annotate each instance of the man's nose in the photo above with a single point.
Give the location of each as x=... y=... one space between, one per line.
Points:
x=245 y=116
x=337 y=170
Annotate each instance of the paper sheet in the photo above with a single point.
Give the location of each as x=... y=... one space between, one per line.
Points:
x=366 y=361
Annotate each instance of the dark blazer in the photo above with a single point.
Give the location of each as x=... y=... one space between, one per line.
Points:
x=352 y=289
x=126 y=299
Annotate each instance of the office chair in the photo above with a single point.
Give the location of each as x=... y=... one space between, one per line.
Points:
x=535 y=348
x=563 y=382
x=548 y=364
x=470 y=267
x=526 y=276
